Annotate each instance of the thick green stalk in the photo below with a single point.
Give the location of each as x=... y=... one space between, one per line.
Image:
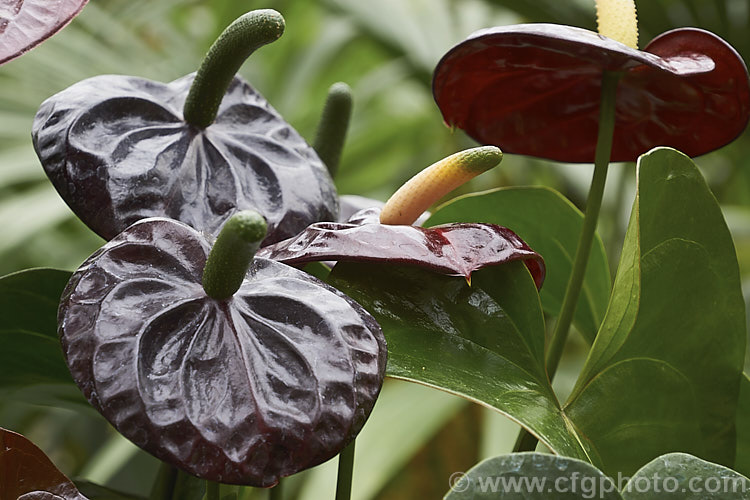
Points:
x=213 y=490
x=591 y=217
x=241 y=38
x=526 y=442
x=277 y=492
x=164 y=484
x=333 y=125
x=232 y=254
x=346 y=471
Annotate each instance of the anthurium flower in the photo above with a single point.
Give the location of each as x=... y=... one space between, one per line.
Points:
x=24 y=24
x=237 y=370
x=453 y=249
x=386 y=234
x=119 y=148
x=534 y=89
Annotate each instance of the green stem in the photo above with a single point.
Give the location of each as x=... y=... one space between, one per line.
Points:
x=346 y=471
x=164 y=485
x=240 y=39
x=232 y=254
x=593 y=205
x=213 y=490
x=333 y=125
x=277 y=492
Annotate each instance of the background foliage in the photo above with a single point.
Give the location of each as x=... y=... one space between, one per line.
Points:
x=386 y=51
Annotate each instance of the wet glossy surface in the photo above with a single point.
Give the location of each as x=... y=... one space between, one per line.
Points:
x=117 y=150
x=534 y=89
x=274 y=380
x=455 y=249
x=27 y=474
x=24 y=24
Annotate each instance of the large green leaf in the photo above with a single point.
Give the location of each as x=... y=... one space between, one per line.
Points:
x=550 y=224
x=536 y=476
x=484 y=341
x=679 y=476
x=532 y=476
x=664 y=371
x=32 y=367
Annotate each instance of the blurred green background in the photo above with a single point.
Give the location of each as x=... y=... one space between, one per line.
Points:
x=386 y=50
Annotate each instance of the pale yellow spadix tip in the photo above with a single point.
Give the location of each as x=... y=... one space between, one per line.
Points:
x=435 y=181
x=617 y=19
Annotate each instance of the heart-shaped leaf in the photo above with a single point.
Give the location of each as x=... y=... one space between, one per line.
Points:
x=656 y=380
x=484 y=342
x=537 y=476
x=27 y=474
x=664 y=371
x=275 y=379
x=679 y=476
x=32 y=367
x=532 y=476
x=550 y=224
x=24 y=24
x=455 y=249
x=118 y=150
x=534 y=89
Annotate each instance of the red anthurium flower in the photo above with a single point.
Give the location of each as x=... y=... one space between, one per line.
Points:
x=534 y=89
x=386 y=234
x=453 y=249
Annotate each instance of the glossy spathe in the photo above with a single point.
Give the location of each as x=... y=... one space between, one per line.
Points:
x=534 y=89
x=118 y=150
x=453 y=249
x=276 y=379
x=26 y=473
x=24 y=24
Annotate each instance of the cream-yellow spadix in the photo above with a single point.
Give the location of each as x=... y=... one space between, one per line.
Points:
x=617 y=19
x=435 y=181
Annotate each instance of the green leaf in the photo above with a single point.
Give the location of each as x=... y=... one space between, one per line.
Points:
x=550 y=224
x=678 y=476
x=664 y=371
x=32 y=367
x=532 y=476
x=742 y=461
x=484 y=342
x=536 y=476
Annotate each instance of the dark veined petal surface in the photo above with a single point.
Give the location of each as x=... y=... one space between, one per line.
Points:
x=24 y=24
x=117 y=150
x=278 y=378
x=534 y=89
x=454 y=249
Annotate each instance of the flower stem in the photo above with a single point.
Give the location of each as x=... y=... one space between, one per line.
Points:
x=232 y=254
x=164 y=485
x=277 y=492
x=593 y=205
x=333 y=125
x=240 y=39
x=213 y=490
x=346 y=471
